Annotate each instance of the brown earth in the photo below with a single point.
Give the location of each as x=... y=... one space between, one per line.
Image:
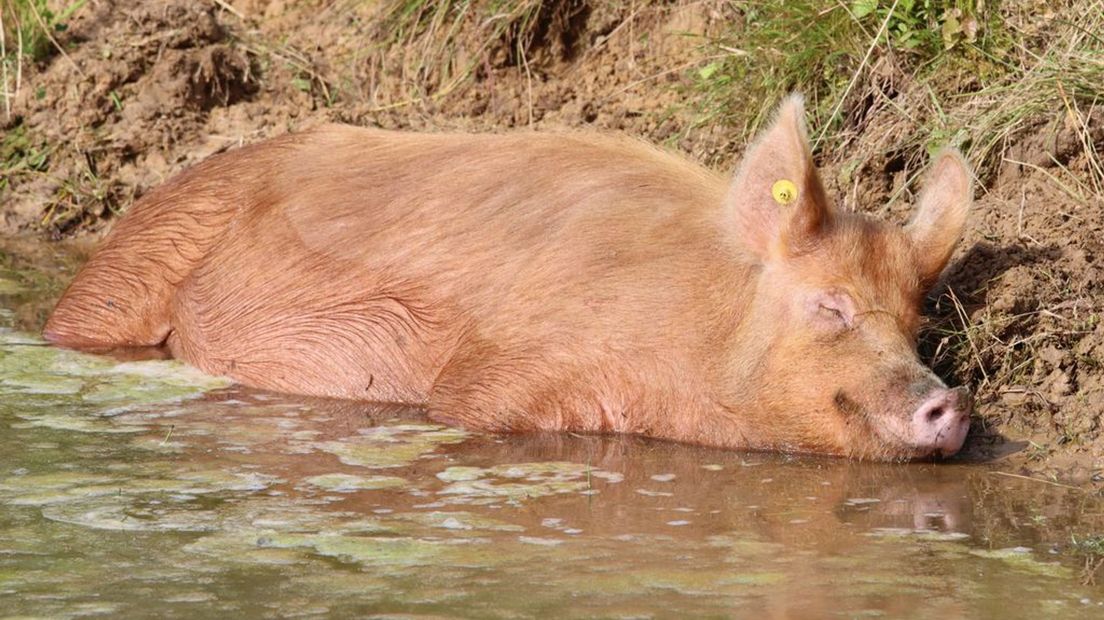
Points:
x=146 y=88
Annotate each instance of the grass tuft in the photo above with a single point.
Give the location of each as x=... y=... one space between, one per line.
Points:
x=1061 y=79
x=994 y=67
x=27 y=35
x=823 y=49
x=438 y=46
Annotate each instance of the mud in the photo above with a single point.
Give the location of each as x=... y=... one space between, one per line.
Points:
x=148 y=88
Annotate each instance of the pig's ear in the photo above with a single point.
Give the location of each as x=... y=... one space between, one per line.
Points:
x=776 y=203
x=940 y=213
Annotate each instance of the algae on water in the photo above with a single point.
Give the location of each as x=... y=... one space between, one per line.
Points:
x=345 y=483
x=515 y=481
x=51 y=387
x=384 y=447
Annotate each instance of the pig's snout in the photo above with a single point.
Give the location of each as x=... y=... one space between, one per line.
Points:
x=940 y=423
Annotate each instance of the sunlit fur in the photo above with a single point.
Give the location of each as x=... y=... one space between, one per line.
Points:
x=532 y=281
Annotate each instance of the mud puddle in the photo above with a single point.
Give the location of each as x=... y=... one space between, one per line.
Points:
x=146 y=488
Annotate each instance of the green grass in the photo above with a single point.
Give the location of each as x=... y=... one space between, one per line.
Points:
x=829 y=52
x=439 y=45
x=29 y=26
x=27 y=35
x=1093 y=544
x=1059 y=78
x=780 y=47
x=416 y=51
x=19 y=155
x=436 y=38
x=28 y=30
x=991 y=72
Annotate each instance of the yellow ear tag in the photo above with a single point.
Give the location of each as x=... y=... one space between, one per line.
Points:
x=784 y=191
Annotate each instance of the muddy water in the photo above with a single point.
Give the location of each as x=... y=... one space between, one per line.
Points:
x=147 y=489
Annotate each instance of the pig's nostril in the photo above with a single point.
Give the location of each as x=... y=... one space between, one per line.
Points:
x=940 y=423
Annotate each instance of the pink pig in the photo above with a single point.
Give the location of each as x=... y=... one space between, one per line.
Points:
x=536 y=282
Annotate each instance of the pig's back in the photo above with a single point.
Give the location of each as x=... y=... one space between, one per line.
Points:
x=369 y=259
x=417 y=202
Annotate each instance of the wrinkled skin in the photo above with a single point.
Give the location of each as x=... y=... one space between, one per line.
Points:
x=543 y=282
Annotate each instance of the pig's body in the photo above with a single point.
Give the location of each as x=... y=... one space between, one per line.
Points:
x=521 y=282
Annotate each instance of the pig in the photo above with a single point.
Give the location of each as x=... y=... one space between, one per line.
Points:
x=544 y=282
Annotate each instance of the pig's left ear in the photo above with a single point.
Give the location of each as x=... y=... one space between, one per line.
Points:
x=940 y=214
x=776 y=203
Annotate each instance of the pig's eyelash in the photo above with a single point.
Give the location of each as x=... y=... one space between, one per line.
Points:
x=837 y=313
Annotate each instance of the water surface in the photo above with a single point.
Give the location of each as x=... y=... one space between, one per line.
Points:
x=144 y=489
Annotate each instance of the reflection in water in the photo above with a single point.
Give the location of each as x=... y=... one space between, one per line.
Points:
x=144 y=487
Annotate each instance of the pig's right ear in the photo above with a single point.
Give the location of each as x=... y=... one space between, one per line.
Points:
x=776 y=205
x=940 y=214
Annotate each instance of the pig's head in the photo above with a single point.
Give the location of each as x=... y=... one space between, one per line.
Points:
x=827 y=348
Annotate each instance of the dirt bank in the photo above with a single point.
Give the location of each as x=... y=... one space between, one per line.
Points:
x=141 y=89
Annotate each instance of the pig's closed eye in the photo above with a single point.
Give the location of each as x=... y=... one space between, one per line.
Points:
x=833 y=309
x=835 y=313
